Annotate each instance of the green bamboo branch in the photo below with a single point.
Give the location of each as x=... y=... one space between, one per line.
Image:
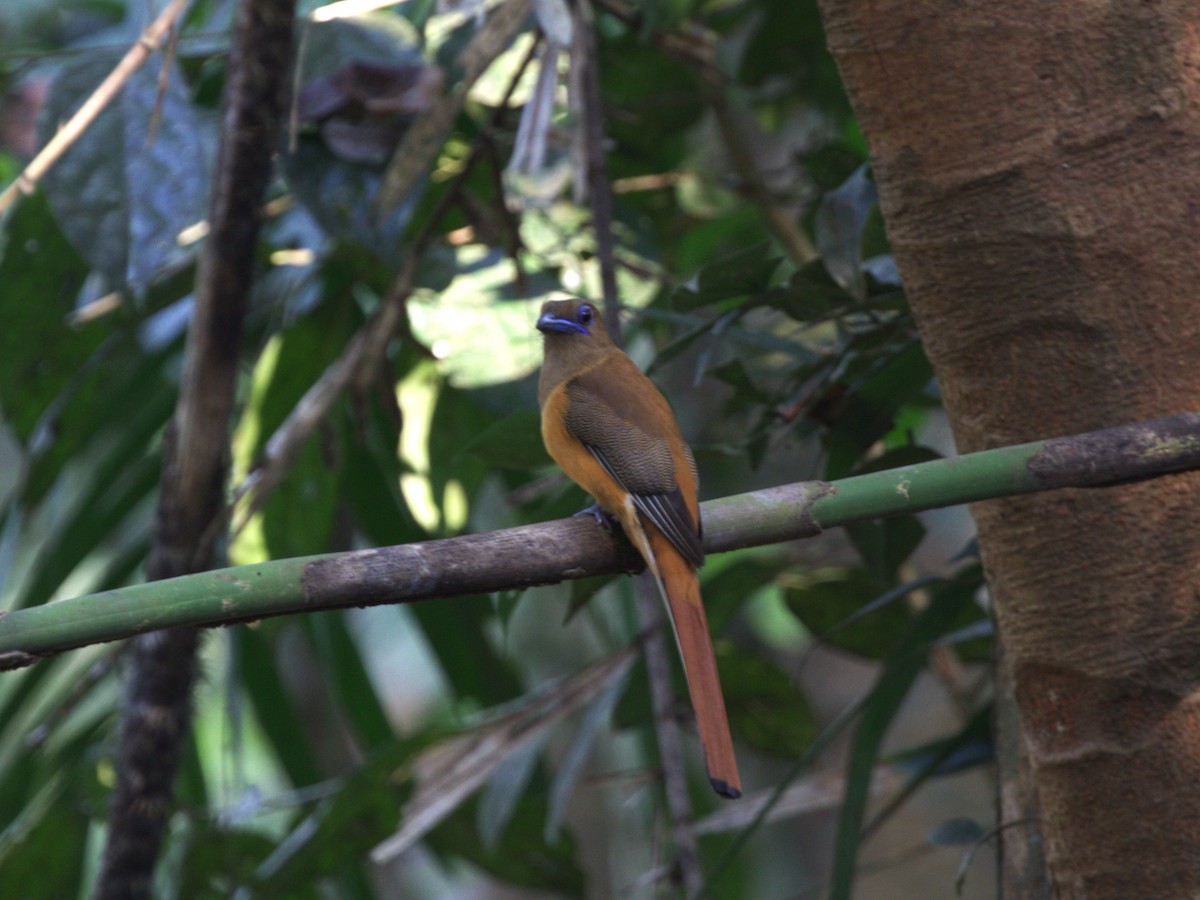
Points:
x=550 y=552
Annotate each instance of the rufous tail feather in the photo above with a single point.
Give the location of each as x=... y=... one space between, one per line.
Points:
x=681 y=590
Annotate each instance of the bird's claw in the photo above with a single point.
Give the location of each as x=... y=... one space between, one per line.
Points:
x=602 y=518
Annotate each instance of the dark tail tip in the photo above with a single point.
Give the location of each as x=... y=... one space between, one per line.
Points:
x=725 y=789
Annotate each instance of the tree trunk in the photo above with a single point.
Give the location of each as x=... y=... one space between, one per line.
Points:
x=1039 y=174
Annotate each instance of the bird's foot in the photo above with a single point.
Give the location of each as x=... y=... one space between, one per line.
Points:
x=602 y=518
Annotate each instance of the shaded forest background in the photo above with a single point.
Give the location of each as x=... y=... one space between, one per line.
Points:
x=760 y=293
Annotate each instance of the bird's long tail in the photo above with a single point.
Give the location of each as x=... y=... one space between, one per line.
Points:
x=681 y=590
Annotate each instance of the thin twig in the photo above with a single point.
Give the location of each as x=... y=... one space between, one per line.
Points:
x=666 y=733
x=585 y=65
x=164 y=82
x=649 y=607
x=150 y=41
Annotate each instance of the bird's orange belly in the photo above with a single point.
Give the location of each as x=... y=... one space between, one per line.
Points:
x=573 y=457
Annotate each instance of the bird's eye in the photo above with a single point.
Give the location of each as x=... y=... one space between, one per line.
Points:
x=585 y=314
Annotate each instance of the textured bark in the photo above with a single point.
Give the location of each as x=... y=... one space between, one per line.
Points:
x=1039 y=173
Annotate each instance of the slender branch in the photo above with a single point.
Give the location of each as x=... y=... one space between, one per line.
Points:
x=156 y=709
x=147 y=44
x=651 y=617
x=550 y=552
x=585 y=65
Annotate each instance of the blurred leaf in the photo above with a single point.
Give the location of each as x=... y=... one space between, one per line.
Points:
x=127 y=187
x=972 y=635
x=956 y=832
x=654 y=101
x=457 y=634
x=341 y=194
x=45 y=856
x=810 y=294
x=831 y=598
x=342 y=829
x=839 y=225
x=218 y=861
x=521 y=857
x=272 y=706
x=498 y=801
x=727 y=590
x=886 y=545
x=451 y=771
x=595 y=718
x=514 y=442
x=746 y=272
x=766 y=711
x=39 y=355
x=971 y=746
x=348 y=678
x=900 y=670
x=879 y=381
x=468 y=323
x=720 y=236
x=371 y=482
x=583 y=590
x=298 y=516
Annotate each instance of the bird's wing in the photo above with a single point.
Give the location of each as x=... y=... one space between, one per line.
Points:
x=628 y=427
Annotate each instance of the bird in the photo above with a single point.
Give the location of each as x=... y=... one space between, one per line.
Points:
x=614 y=434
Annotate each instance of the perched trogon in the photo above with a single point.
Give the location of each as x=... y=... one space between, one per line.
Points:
x=613 y=433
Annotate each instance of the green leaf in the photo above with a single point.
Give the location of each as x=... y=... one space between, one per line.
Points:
x=298 y=515
x=348 y=678
x=841 y=218
x=521 y=857
x=900 y=670
x=832 y=597
x=127 y=187
x=727 y=589
x=514 y=442
x=340 y=194
x=886 y=545
x=218 y=861
x=883 y=375
x=766 y=710
x=342 y=830
x=45 y=857
x=457 y=634
x=273 y=706
x=653 y=101
x=746 y=272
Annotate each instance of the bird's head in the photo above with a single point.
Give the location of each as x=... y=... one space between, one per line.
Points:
x=575 y=339
x=572 y=318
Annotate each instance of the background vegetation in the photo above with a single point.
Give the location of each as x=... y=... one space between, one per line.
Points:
x=501 y=743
